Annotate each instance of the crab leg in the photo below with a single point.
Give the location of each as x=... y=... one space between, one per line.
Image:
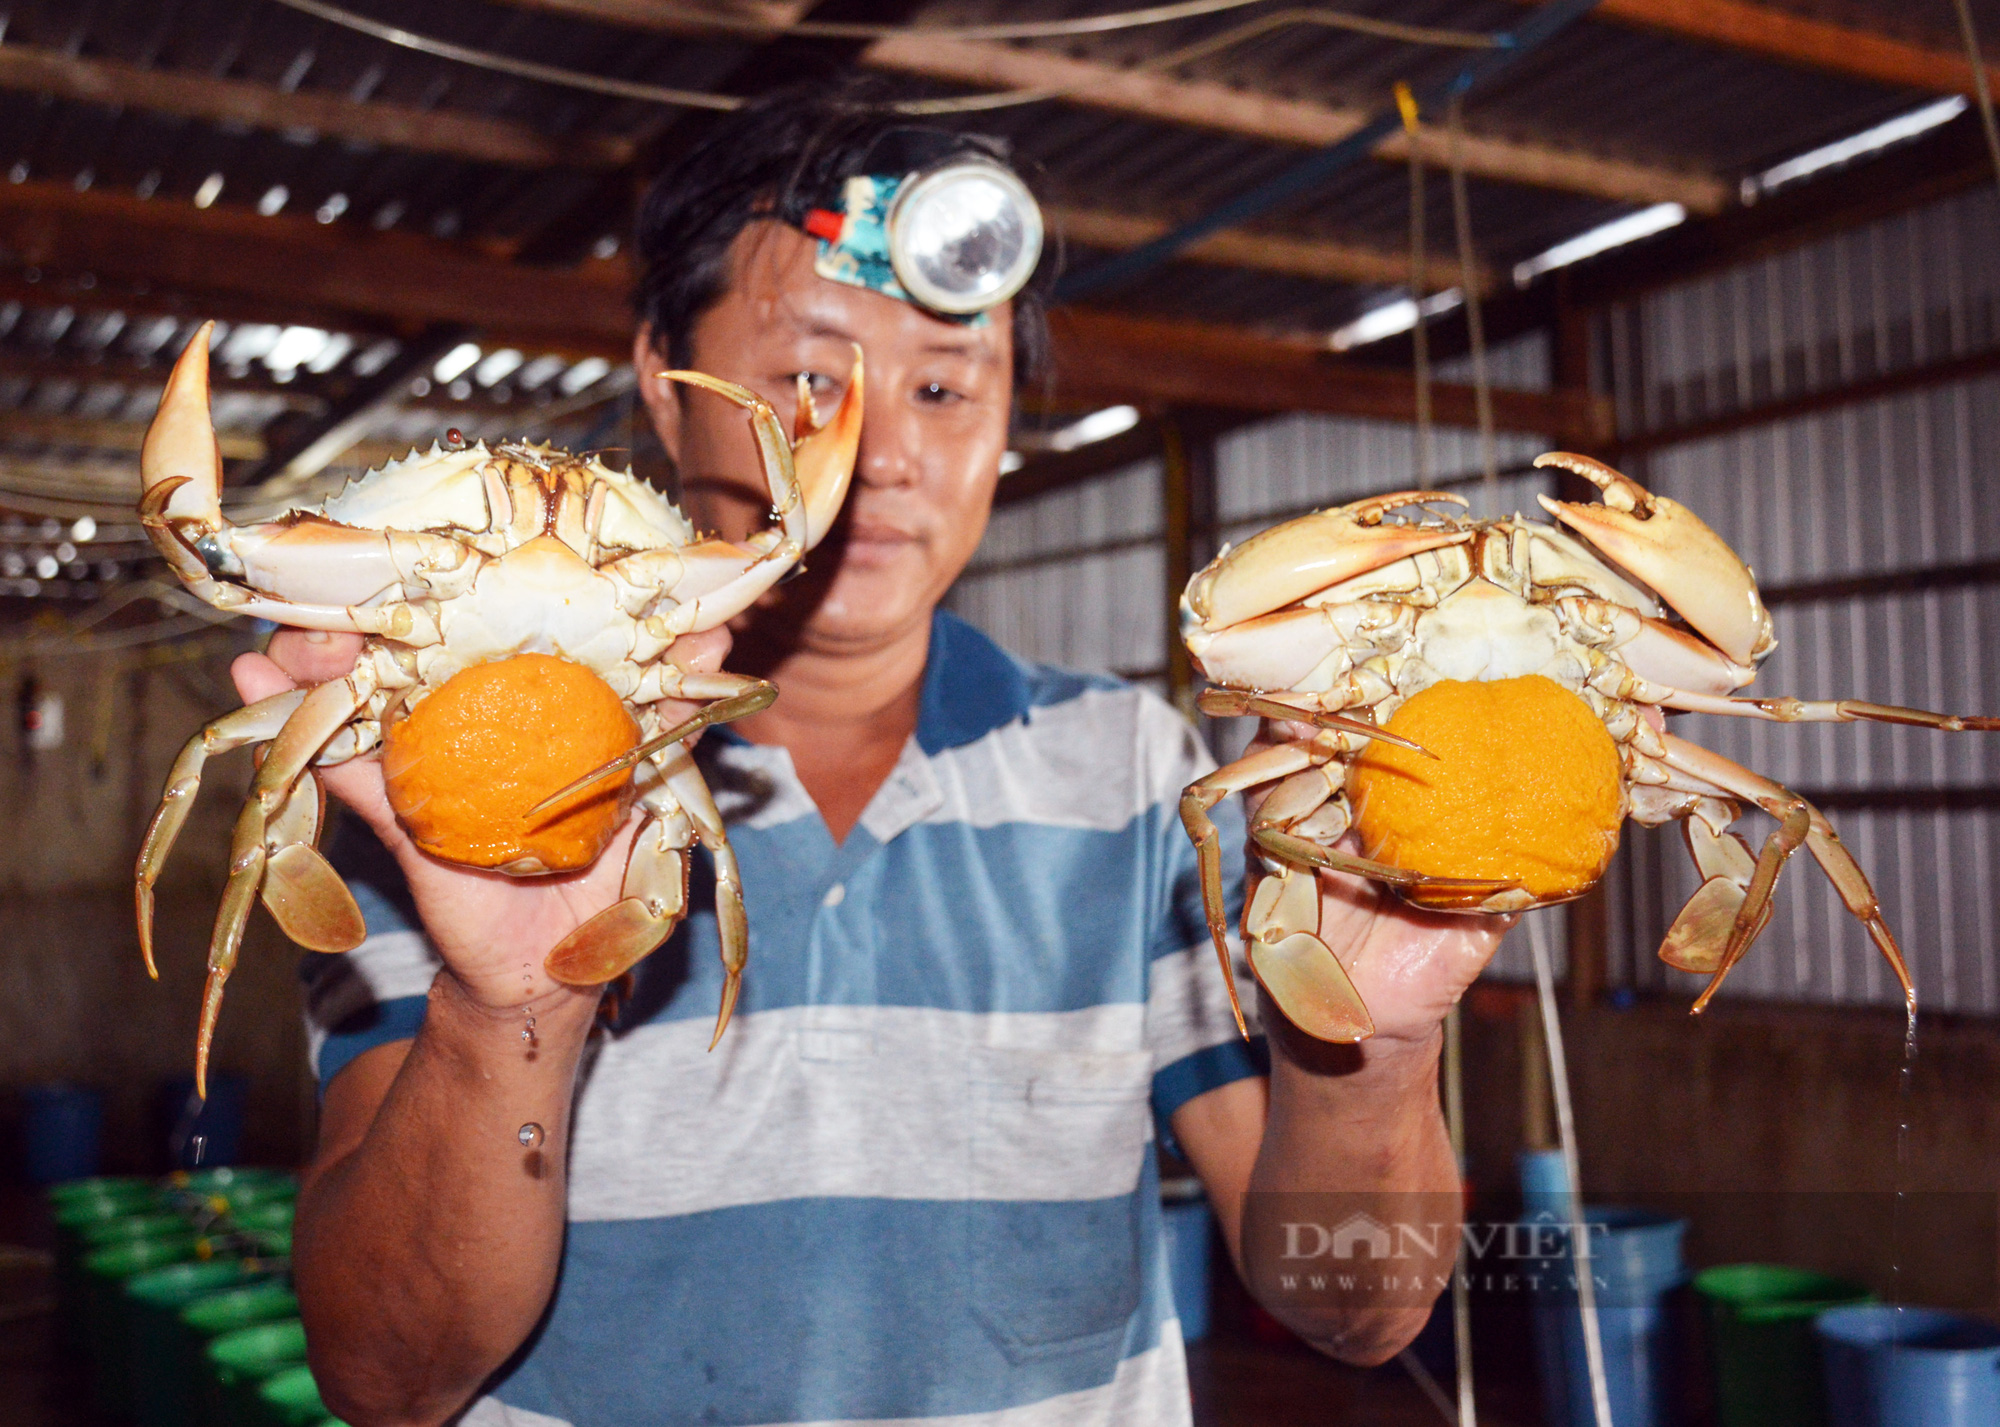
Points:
x=1266 y=765
x=656 y=897
x=302 y=892
x=1701 y=931
x=1714 y=773
x=1235 y=703
x=317 y=718
x=257 y=723
x=1790 y=710
x=754 y=696
x=691 y=790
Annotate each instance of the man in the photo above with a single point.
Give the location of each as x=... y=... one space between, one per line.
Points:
x=915 y=1181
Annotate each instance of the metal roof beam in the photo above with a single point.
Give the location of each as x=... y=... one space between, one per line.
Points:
x=1316 y=258
x=266 y=106
x=1204 y=104
x=1802 y=40
x=190 y=257
x=1108 y=358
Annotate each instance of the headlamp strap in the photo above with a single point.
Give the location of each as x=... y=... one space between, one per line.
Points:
x=854 y=243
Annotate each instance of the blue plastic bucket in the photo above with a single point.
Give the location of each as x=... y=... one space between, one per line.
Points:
x=1184 y=1225
x=1908 y=1367
x=1635 y=1261
x=62 y=1130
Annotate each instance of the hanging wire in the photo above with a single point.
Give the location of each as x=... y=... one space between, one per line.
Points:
x=1325 y=19
x=959 y=104
x=1461 y=1282
x=1475 y=324
x=1982 y=89
x=1406 y=105
x=1579 y=1230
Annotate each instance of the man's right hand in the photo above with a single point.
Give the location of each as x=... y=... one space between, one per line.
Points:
x=492 y=930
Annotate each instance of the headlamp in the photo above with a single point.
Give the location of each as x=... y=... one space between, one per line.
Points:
x=957 y=235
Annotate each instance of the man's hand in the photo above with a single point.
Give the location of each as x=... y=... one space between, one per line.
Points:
x=492 y=930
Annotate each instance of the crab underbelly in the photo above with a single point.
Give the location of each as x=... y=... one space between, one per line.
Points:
x=1483 y=633
x=539 y=599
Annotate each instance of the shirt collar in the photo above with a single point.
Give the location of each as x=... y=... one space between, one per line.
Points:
x=971 y=687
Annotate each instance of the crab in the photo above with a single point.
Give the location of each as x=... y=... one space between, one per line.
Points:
x=459 y=557
x=1334 y=620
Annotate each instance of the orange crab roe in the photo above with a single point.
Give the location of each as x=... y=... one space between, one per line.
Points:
x=1526 y=788
x=494 y=740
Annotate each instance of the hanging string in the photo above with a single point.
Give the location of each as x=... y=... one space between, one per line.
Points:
x=1461 y=1282
x=1982 y=90
x=1579 y=1230
x=1406 y=105
x=1475 y=324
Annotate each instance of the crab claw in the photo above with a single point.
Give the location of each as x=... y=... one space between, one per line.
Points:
x=1288 y=562
x=180 y=445
x=1670 y=548
x=824 y=456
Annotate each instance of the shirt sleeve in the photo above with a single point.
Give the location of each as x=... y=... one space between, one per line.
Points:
x=1189 y=1025
x=376 y=993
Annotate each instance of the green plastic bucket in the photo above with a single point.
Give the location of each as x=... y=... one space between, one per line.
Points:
x=238 y=1363
x=1760 y=1321
x=162 y=1387
x=262 y=1229
x=106 y=1271
x=124 y=1228
x=103 y=1186
x=114 y=1199
x=290 y=1398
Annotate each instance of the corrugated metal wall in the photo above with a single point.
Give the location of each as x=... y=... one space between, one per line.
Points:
x=1077 y=577
x=1894 y=487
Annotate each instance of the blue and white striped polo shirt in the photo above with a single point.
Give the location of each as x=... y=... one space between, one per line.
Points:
x=916 y=1181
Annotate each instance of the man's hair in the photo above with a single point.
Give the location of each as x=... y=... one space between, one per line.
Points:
x=774 y=158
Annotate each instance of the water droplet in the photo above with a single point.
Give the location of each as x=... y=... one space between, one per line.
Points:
x=530 y=1135
x=200 y=1143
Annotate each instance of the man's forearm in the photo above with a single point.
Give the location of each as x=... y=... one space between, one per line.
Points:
x=428 y=1247
x=1361 y=1123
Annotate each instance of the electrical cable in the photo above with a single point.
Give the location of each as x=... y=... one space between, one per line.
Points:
x=1017 y=30
x=1579 y=1229
x=958 y=104
x=1982 y=88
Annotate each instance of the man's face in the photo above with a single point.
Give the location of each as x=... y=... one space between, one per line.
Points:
x=933 y=431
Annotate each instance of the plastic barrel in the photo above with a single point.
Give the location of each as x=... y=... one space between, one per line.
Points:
x=163 y=1392
x=1184 y=1227
x=103 y=1186
x=105 y=1273
x=237 y=1363
x=1908 y=1367
x=62 y=1130
x=264 y=1228
x=1767 y=1371
x=1635 y=1262
x=290 y=1398
x=74 y=1213
x=215 y=1318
